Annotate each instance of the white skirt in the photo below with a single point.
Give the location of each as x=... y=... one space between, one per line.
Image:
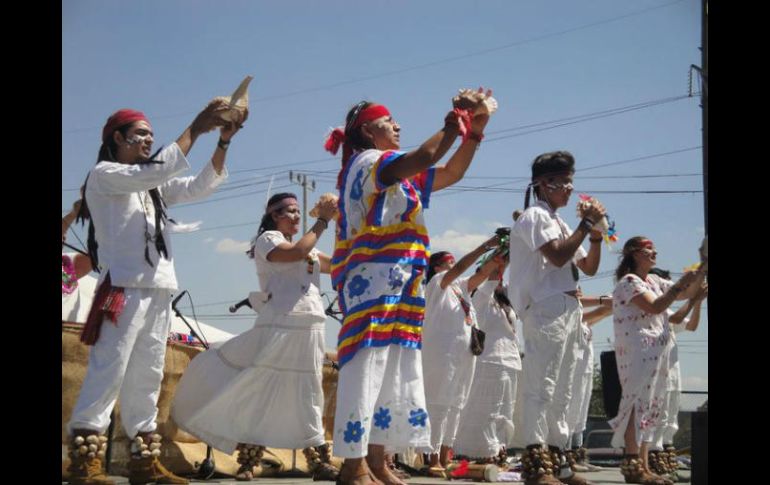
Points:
x=486 y=422
x=262 y=387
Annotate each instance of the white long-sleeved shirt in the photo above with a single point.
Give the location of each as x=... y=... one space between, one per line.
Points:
x=122 y=213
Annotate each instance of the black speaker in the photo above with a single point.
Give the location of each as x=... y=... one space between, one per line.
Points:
x=610 y=383
x=700 y=448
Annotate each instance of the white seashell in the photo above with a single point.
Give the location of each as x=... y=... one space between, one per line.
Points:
x=238 y=102
x=315 y=212
x=92 y=439
x=79 y=440
x=155 y=452
x=154 y=446
x=92 y=447
x=156 y=438
x=100 y=454
x=138 y=440
x=145 y=454
x=488 y=104
x=142 y=447
x=102 y=439
x=91 y=455
x=83 y=450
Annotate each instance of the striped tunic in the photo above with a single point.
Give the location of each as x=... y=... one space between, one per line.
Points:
x=380 y=256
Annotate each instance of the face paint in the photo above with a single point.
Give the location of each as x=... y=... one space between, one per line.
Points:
x=561 y=186
x=137 y=139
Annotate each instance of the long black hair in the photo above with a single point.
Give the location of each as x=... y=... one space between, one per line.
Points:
x=268 y=223
x=627 y=263
x=435 y=260
x=354 y=138
x=107 y=152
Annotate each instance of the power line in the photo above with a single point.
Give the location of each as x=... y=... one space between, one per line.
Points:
x=455 y=190
x=425 y=65
x=666 y=175
x=585 y=116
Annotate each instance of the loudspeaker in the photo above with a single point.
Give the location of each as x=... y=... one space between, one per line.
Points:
x=700 y=448
x=610 y=383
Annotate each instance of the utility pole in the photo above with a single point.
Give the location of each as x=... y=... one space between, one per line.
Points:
x=705 y=105
x=301 y=179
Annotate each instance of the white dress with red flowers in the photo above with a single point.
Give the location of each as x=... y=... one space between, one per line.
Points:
x=263 y=386
x=640 y=347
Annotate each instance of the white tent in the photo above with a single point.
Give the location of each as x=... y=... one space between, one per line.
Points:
x=75 y=308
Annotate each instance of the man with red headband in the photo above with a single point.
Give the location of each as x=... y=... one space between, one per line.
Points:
x=380 y=257
x=545 y=257
x=126 y=196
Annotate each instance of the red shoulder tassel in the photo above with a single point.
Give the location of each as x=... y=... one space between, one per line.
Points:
x=334 y=140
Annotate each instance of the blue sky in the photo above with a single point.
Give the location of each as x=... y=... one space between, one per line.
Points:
x=605 y=80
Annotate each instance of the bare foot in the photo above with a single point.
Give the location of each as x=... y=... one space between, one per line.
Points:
x=386 y=476
x=357 y=474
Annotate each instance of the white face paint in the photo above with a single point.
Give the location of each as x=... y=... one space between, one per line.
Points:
x=561 y=186
x=137 y=139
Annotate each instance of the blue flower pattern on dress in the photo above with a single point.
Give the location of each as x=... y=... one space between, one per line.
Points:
x=418 y=417
x=357 y=286
x=353 y=432
x=357 y=189
x=382 y=418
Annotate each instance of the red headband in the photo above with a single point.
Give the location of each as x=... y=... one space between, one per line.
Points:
x=646 y=243
x=120 y=118
x=338 y=137
x=371 y=113
x=447 y=258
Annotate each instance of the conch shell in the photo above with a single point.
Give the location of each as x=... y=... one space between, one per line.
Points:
x=315 y=212
x=467 y=97
x=239 y=101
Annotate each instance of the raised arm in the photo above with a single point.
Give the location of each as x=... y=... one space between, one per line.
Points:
x=466 y=261
x=458 y=164
x=483 y=273
x=650 y=304
x=430 y=152
x=205 y=121
x=561 y=251
x=289 y=252
x=422 y=158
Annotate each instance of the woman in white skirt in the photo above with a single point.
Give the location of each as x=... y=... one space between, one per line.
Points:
x=486 y=423
x=263 y=387
x=447 y=361
x=641 y=332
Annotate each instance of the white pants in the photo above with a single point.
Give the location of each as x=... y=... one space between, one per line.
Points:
x=550 y=332
x=582 y=387
x=444 y=421
x=381 y=400
x=669 y=425
x=127 y=360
